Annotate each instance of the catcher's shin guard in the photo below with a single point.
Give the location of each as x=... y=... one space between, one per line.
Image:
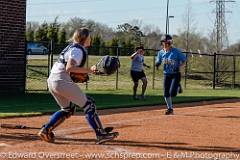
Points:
x=59 y=116
x=92 y=116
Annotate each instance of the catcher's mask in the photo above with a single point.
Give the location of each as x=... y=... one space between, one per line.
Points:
x=108 y=65
x=167 y=38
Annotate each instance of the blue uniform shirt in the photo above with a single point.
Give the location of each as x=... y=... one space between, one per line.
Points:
x=137 y=63
x=171 y=60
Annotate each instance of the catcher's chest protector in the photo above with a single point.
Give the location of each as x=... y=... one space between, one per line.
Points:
x=62 y=58
x=76 y=77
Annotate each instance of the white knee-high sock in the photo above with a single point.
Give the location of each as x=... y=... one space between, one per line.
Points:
x=168 y=101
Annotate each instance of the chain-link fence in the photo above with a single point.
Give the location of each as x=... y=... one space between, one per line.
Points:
x=212 y=70
x=201 y=71
x=38 y=63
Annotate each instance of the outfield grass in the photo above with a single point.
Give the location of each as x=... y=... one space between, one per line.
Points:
x=42 y=103
x=102 y=88
x=37 y=71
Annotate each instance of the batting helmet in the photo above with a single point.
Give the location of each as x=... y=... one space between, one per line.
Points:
x=167 y=38
x=108 y=65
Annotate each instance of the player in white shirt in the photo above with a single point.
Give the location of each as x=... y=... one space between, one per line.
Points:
x=67 y=93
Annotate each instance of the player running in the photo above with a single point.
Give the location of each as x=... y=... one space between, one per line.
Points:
x=172 y=60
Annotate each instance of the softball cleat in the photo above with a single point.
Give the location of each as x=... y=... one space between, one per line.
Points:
x=46 y=136
x=106 y=137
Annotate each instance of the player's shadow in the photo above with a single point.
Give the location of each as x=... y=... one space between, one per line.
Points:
x=177 y=146
x=224 y=107
x=81 y=141
x=229 y=117
x=90 y=130
x=174 y=146
x=210 y=116
x=23 y=137
x=16 y=136
x=182 y=102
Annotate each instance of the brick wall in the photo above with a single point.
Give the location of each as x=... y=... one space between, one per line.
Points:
x=12 y=46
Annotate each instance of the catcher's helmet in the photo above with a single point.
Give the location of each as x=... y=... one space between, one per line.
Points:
x=167 y=38
x=108 y=65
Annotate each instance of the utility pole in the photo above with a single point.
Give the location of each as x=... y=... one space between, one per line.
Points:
x=167 y=18
x=187 y=48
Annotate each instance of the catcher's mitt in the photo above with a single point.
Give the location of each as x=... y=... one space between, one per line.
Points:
x=79 y=77
x=108 y=65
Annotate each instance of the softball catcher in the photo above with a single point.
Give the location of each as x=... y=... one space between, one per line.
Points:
x=66 y=72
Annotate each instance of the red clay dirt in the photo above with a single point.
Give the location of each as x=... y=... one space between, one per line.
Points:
x=196 y=131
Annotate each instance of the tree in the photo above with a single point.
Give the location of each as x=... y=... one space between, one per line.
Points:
x=188 y=29
x=30 y=28
x=234 y=49
x=103 y=50
x=113 y=45
x=62 y=36
x=41 y=33
x=52 y=30
x=72 y=25
x=132 y=30
x=30 y=35
x=96 y=42
x=130 y=47
x=152 y=36
x=124 y=50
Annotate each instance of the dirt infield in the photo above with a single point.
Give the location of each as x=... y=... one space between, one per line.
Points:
x=196 y=131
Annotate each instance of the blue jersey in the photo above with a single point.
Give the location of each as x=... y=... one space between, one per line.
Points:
x=171 y=60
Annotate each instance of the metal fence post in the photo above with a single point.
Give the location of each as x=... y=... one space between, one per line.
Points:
x=49 y=65
x=118 y=50
x=186 y=72
x=51 y=52
x=234 y=71
x=87 y=67
x=154 y=71
x=214 y=70
x=50 y=58
x=25 y=64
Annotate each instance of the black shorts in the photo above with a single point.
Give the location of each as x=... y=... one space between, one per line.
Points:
x=137 y=75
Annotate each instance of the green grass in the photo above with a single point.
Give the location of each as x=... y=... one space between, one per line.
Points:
x=37 y=75
x=42 y=103
x=102 y=88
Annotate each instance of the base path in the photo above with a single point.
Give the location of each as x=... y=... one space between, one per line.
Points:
x=196 y=131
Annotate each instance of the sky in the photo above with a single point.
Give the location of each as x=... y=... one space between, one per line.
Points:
x=149 y=12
